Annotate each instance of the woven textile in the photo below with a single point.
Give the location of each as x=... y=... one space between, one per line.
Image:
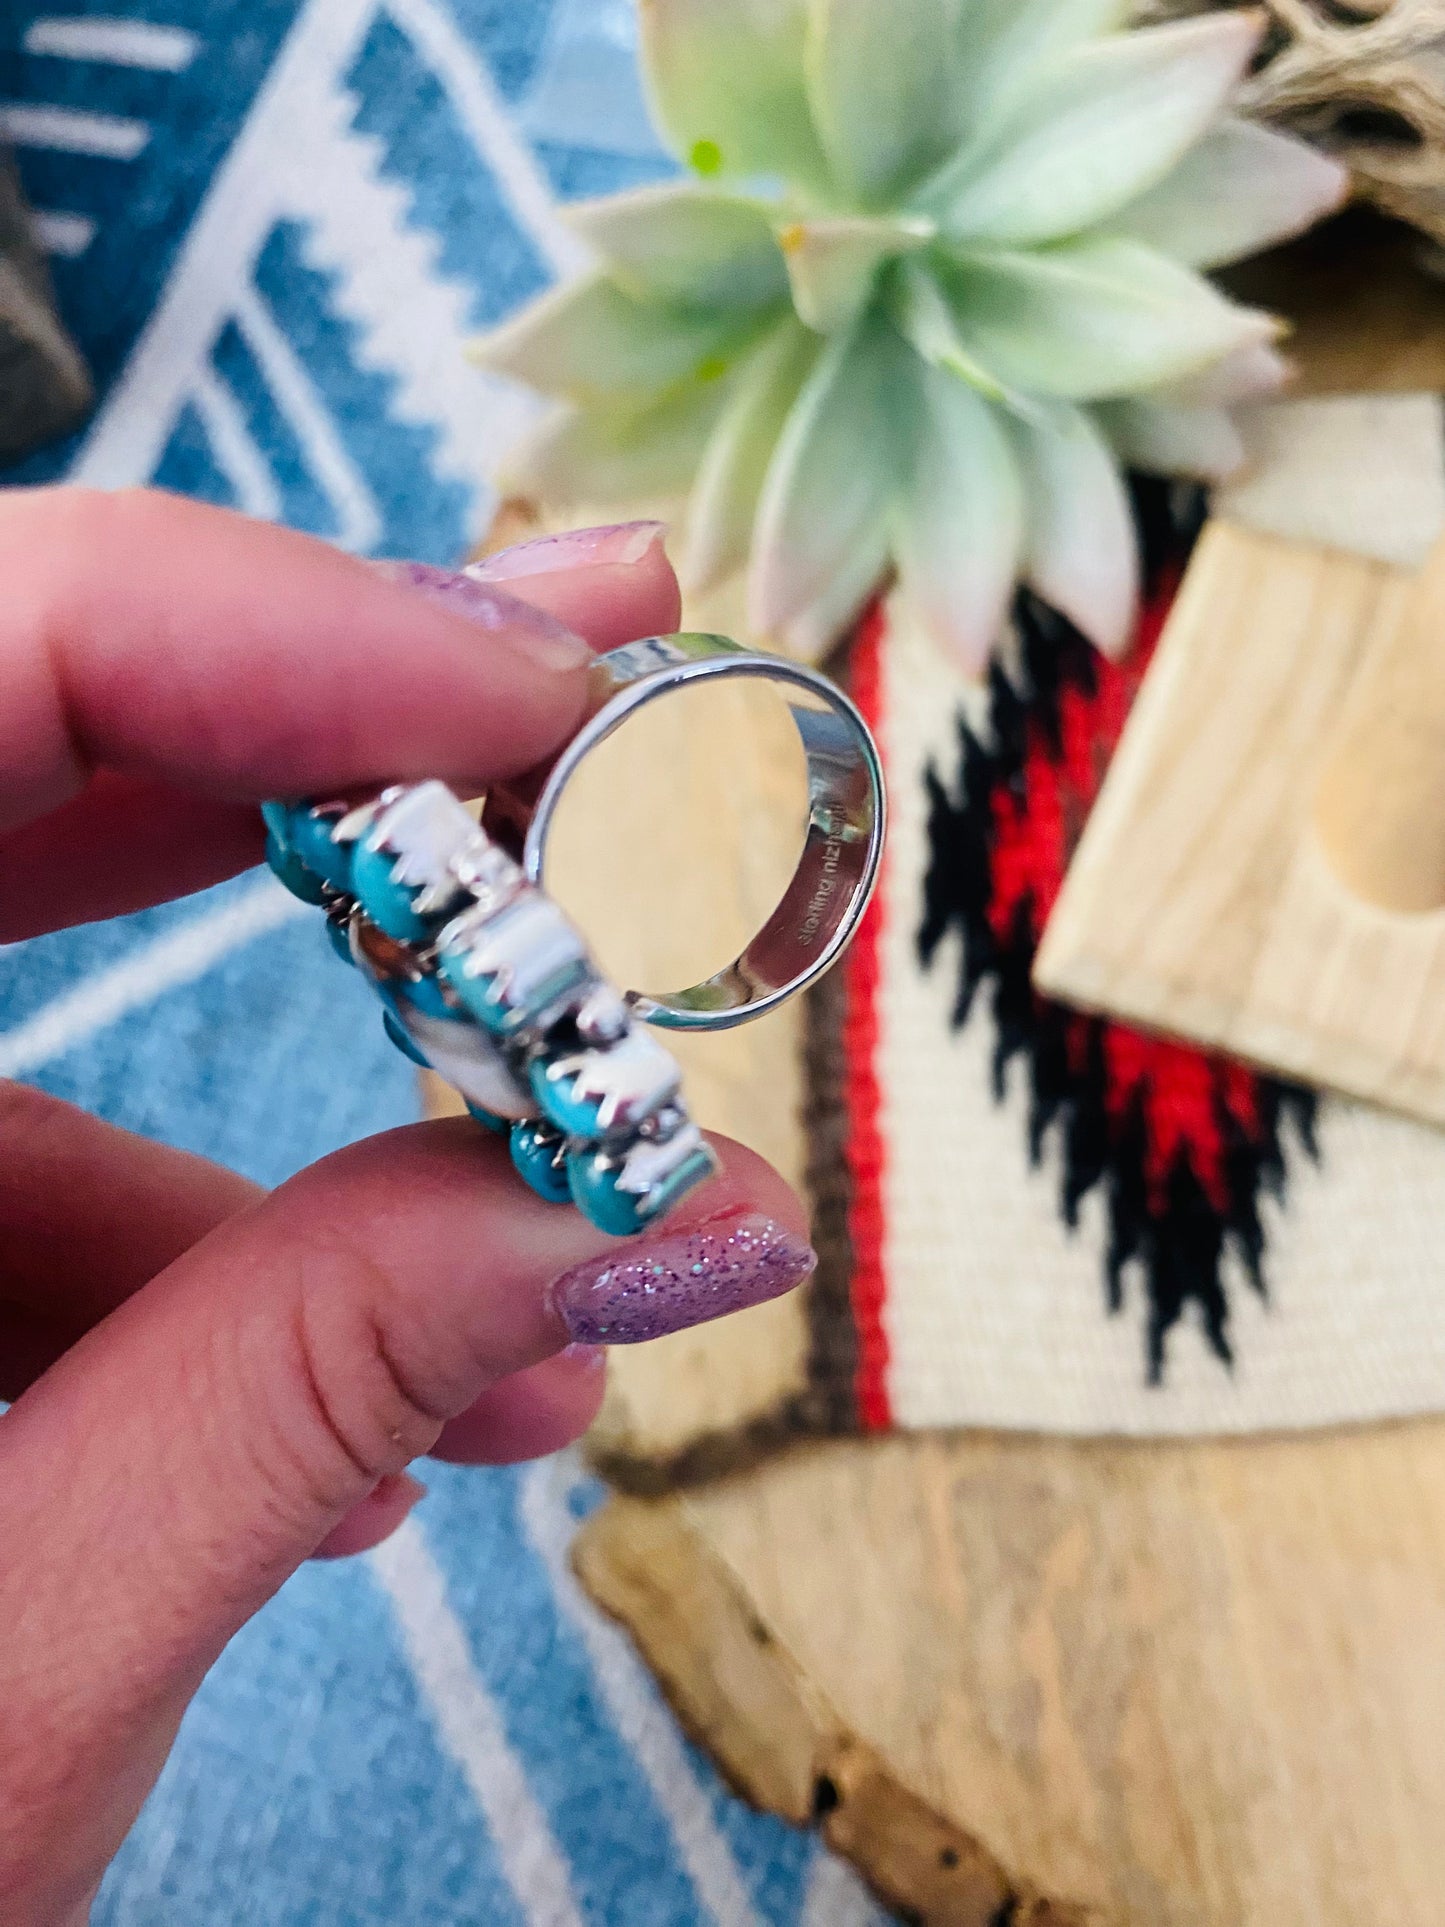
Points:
x=1056 y=1223
x=273 y=224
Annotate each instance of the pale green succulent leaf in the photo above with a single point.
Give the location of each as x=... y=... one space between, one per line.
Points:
x=1094 y=132
x=1093 y=318
x=730 y=475
x=725 y=78
x=959 y=528
x=586 y=457
x=1250 y=373
x=590 y=342
x=883 y=85
x=926 y=319
x=1080 y=550
x=858 y=578
x=1165 y=439
x=1242 y=188
x=676 y=242
x=829 y=488
x=833 y=261
x=950 y=286
x=1011 y=42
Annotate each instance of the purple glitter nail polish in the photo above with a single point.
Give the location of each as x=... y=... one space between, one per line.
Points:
x=529 y=629
x=720 y=1266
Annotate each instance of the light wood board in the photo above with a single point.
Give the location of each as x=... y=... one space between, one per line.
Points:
x=1264 y=870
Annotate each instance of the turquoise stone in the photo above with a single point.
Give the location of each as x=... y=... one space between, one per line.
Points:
x=339 y=939
x=693 y=1170
x=387 y=903
x=403 y=1043
x=592 y=1180
x=489 y=1120
x=493 y=1009
x=576 y=1117
x=592 y=1177
x=300 y=881
x=479 y=994
x=426 y=995
x=309 y=836
x=277 y=818
x=537 y=1154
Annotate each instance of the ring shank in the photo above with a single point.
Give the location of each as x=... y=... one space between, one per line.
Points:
x=843 y=839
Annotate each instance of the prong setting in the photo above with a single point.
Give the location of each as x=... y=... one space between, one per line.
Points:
x=484 y=980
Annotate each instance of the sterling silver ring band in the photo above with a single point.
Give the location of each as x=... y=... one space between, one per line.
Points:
x=843 y=838
x=485 y=979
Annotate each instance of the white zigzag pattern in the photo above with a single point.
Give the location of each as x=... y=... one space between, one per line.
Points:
x=411 y=320
x=300 y=156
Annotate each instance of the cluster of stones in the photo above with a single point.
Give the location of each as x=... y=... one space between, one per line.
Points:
x=485 y=981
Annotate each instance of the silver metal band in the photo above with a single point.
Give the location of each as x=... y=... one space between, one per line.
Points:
x=843 y=841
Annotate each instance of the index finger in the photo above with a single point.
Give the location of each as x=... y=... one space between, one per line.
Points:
x=165 y=639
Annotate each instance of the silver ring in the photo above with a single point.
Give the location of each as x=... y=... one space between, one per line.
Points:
x=485 y=979
x=843 y=841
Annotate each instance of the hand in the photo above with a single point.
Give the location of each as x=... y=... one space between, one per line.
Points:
x=212 y=1384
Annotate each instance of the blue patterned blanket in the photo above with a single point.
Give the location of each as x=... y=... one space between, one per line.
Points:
x=274 y=223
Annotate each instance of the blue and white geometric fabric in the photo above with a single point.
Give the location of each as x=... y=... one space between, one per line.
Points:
x=274 y=224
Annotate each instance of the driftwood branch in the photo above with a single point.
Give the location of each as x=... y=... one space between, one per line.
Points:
x=44 y=387
x=1364 y=79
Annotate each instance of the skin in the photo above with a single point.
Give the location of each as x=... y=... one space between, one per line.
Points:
x=213 y=1384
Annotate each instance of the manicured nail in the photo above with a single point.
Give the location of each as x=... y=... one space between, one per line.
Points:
x=516 y=624
x=722 y=1265
x=587 y=1358
x=617 y=545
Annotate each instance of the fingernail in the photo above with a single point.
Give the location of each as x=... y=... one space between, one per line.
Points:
x=531 y=632
x=615 y=545
x=720 y=1266
x=587 y=1358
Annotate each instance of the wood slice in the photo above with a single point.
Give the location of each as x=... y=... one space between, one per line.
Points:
x=1171 y=1685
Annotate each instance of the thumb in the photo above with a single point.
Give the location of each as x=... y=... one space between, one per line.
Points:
x=163 y=1479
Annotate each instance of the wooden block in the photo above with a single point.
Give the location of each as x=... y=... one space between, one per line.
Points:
x=44 y=389
x=1171 y=1685
x=1359 y=472
x=1264 y=870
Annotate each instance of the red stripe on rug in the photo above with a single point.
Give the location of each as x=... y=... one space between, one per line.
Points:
x=862 y=1093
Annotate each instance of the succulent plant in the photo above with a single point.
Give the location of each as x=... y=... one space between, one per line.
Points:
x=936 y=277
